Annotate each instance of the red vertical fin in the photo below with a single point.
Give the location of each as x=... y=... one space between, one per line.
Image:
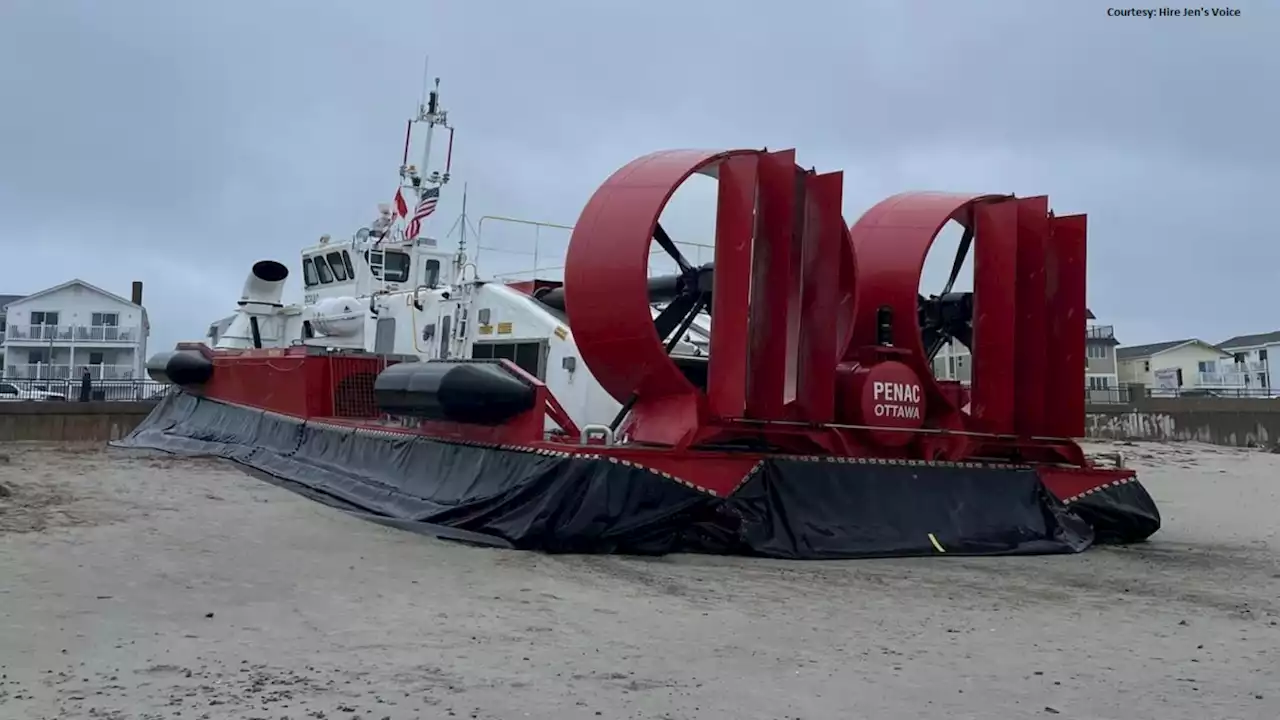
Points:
x=735 y=227
x=795 y=285
x=771 y=273
x=820 y=297
x=995 y=267
x=1065 y=298
x=1032 y=337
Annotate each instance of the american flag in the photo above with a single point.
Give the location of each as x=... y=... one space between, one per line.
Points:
x=426 y=206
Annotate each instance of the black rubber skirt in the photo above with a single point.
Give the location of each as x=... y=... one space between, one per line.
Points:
x=563 y=502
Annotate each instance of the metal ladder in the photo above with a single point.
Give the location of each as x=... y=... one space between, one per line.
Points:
x=377 y=266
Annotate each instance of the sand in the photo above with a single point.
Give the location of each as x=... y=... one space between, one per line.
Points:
x=142 y=587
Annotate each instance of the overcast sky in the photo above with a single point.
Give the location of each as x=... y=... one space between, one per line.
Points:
x=178 y=142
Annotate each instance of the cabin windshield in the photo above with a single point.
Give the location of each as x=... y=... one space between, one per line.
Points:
x=336 y=265
x=322 y=269
x=309 y=276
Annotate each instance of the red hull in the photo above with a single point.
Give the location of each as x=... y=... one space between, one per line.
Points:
x=338 y=390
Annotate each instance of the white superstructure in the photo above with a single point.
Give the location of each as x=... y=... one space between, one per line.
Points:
x=384 y=292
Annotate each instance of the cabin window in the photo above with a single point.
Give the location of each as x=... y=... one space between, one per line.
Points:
x=322 y=269
x=335 y=264
x=431 y=273
x=526 y=355
x=395 y=265
x=309 y=276
x=346 y=263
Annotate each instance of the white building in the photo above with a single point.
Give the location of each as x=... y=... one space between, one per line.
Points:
x=1251 y=356
x=56 y=333
x=1181 y=367
x=4 y=300
x=1101 y=373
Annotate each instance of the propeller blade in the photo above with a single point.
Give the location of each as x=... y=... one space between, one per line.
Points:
x=667 y=244
x=699 y=303
x=929 y=337
x=962 y=253
x=939 y=339
x=674 y=314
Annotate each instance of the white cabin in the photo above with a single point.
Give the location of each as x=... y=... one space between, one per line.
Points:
x=410 y=298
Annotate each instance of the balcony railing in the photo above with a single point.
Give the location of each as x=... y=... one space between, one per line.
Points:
x=106 y=333
x=1251 y=366
x=1220 y=379
x=41 y=332
x=71 y=334
x=1100 y=332
x=47 y=371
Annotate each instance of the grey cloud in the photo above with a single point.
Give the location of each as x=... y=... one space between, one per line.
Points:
x=212 y=134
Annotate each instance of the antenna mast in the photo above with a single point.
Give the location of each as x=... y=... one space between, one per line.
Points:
x=422 y=178
x=433 y=114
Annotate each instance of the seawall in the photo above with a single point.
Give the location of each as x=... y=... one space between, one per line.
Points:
x=1239 y=422
x=70 y=421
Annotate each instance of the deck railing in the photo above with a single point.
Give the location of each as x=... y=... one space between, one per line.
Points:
x=62 y=371
x=71 y=334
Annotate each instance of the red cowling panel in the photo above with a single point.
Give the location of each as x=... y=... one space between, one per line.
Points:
x=775 y=287
x=606 y=272
x=820 y=298
x=794 y=284
x=995 y=264
x=1030 y=336
x=735 y=228
x=1065 y=296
